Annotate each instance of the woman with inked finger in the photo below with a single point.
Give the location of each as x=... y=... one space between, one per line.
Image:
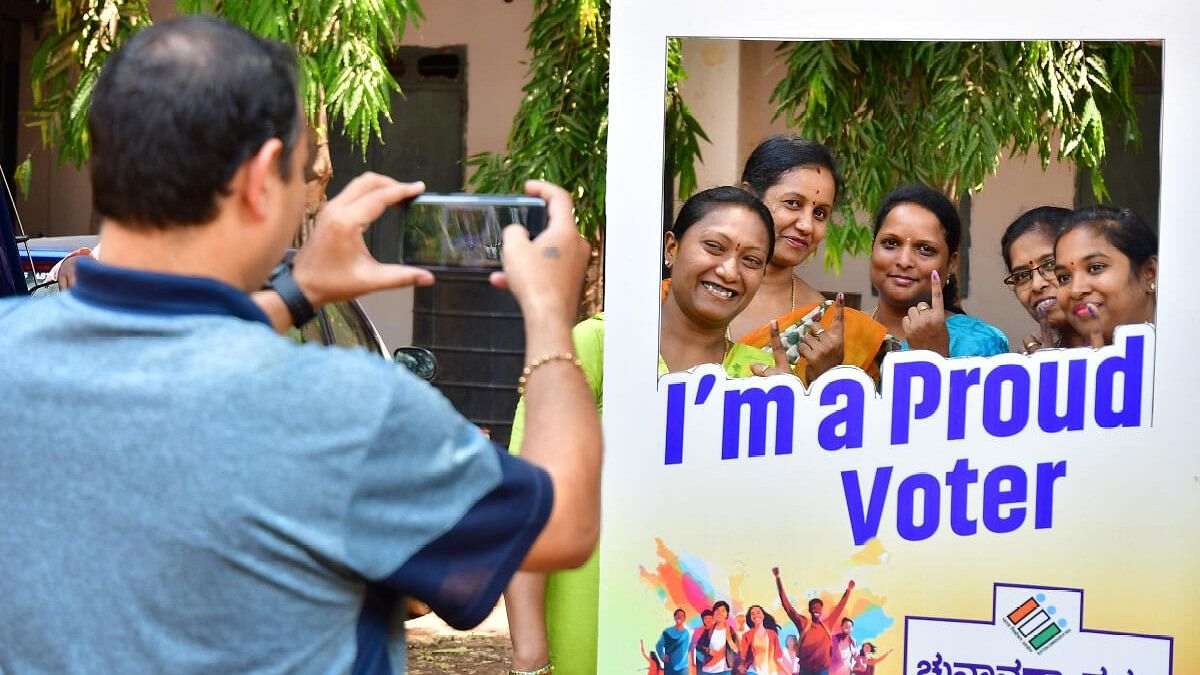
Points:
x=914 y=262
x=1106 y=264
x=798 y=181
x=1028 y=250
x=717 y=252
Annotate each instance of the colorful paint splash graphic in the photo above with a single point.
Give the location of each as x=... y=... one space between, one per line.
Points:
x=686 y=581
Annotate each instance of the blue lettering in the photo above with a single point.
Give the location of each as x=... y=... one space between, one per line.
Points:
x=1048 y=418
x=993 y=396
x=1006 y=501
x=907 y=506
x=1047 y=473
x=705 y=387
x=850 y=416
x=995 y=497
x=676 y=408
x=904 y=374
x=959 y=479
x=865 y=525
x=960 y=382
x=1130 y=367
x=758 y=400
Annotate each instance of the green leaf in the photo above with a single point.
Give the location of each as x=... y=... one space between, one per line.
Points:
x=945 y=112
x=22 y=174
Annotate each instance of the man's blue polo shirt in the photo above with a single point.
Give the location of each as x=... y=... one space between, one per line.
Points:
x=183 y=490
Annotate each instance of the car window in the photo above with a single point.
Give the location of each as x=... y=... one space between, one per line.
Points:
x=309 y=332
x=350 y=327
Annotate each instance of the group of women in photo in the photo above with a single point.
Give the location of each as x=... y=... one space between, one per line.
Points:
x=732 y=296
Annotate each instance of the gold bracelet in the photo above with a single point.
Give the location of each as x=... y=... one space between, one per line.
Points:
x=528 y=370
x=548 y=668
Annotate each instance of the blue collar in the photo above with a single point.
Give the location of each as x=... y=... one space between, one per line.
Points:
x=127 y=290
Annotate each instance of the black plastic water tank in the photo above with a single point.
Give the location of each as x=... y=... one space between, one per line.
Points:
x=476 y=332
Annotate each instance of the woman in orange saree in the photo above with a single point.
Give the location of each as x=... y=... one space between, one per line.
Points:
x=798 y=181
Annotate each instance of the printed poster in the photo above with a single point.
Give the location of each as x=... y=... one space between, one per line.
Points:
x=1023 y=515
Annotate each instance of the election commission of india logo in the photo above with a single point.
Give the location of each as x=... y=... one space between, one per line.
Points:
x=1048 y=622
x=1035 y=623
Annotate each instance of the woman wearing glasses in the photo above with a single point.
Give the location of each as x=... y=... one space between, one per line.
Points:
x=1028 y=249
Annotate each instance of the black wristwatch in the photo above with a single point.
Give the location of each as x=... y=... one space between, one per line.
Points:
x=281 y=282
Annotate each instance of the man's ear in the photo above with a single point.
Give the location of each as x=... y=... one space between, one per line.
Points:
x=258 y=172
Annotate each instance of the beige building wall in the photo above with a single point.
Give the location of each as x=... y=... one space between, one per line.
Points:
x=737 y=115
x=494 y=34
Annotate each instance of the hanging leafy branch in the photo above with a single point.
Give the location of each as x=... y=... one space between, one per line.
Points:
x=944 y=113
x=560 y=131
x=63 y=70
x=343 y=47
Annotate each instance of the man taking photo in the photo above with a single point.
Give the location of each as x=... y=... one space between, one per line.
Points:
x=188 y=491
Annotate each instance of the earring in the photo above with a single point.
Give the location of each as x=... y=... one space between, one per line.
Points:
x=1153 y=286
x=667 y=263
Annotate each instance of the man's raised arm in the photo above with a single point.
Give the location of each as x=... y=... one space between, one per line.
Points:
x=799 y=619
x=836 y=615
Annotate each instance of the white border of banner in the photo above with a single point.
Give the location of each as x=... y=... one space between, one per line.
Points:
x=634 y=201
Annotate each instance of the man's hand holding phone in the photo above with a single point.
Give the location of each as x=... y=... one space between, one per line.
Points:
x=334 y=264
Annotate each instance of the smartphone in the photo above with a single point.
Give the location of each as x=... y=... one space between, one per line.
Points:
x=463 y=230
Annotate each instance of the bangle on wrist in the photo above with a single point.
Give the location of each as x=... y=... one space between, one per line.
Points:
x=542 y=360
x=548 y=668
x=282 y=282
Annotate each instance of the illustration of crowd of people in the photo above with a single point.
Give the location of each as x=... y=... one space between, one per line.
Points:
x=749 y=644
x=732 y=295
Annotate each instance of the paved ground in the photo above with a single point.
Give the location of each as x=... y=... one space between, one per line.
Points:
x=436 y=649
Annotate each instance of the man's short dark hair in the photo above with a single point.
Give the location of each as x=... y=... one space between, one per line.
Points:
x=177 y=110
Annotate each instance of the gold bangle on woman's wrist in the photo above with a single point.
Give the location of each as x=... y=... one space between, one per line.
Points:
x=548 y=668
x=533 y=365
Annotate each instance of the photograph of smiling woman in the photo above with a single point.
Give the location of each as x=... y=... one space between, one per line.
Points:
x=1106 y=267
x=799 y=183
x=914 y=266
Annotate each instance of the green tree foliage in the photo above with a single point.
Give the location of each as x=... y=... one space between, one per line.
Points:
x=560 y=132
x=945 y=113
x=80 y=36
x=342 y=46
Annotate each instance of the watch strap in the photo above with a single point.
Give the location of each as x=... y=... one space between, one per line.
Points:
x=282 y=282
